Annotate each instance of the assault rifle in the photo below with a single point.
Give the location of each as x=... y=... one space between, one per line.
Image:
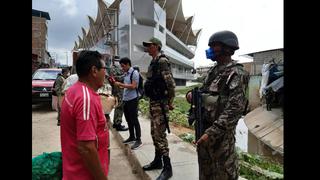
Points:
x=195 y=113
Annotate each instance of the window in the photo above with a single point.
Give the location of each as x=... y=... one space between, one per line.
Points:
x=161 y=29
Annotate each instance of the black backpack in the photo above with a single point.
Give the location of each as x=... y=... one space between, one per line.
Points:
x=139 y=89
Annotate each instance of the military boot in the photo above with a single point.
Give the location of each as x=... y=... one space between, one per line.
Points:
x=155 y=164
x=167 y=169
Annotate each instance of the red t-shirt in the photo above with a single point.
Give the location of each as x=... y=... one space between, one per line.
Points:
x=82 y=119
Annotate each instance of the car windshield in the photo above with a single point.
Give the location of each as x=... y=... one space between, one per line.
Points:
x=45 y=75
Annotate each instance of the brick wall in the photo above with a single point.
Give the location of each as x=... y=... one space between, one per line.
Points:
x=39 y=37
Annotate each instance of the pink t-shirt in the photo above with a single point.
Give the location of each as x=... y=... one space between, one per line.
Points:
x=82 y=119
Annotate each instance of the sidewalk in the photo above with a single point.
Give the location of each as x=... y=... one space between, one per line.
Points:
x=182 y=154
x=120 y=167
x=46 y=138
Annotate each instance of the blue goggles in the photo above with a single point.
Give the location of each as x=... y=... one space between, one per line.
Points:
x=210 y=54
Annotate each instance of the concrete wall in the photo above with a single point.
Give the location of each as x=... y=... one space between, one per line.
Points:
x=144 y=26
x=39 y=38
x=254 y=68
x=248 y=66
x=255 y=146
x=254 y=86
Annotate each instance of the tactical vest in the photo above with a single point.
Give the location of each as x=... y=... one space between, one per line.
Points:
x=216 y=89
x=155 y=86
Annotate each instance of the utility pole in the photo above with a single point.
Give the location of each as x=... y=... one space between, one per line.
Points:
x=67 y=58
x=56 y=58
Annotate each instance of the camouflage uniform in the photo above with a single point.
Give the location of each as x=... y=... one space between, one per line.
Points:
x=217 y=156
x=158 y=125
x=107 y=90
x=58 y=88
x=117 y=92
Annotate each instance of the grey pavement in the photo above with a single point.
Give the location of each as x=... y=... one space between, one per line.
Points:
x=120 y=168
x=183 y=155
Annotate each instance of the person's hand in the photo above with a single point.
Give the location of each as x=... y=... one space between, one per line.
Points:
x=202 y=139
x=189 y=97
x=111 y=80
x=117 y=83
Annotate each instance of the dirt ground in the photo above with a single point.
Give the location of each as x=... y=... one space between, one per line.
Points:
x=178 y=130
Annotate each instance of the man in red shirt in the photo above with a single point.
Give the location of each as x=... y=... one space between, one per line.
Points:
x=84 y=131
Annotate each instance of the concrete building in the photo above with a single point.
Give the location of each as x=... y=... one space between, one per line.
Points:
x=265 y=135
x=40 y=55
x=262 y=57
x=121 y=27
x=255 y=67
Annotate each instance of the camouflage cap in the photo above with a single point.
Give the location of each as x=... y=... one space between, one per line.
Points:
x=153 y=40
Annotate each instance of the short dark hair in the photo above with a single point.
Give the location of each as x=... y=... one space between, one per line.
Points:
x=86 y=60
x=64 y=70
x=125 y=60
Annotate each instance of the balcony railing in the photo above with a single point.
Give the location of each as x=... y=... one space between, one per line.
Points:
x=178 y=57
x=182 y=48
x=183 y=75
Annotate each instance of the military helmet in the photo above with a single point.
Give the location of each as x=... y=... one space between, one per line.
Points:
x=226 y=37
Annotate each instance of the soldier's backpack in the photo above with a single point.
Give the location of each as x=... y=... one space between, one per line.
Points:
x=139 y=89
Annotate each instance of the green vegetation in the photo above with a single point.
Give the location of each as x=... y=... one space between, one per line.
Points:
x=187 y=137
x=177 y=116
x=183 y=91
x=252 y=167
x=262 y=162
x=144 y=106
x=257 y=167
x=180 y=113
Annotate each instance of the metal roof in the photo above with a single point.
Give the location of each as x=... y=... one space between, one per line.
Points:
x=177 y=23
x=38 y=13
x=251 y=54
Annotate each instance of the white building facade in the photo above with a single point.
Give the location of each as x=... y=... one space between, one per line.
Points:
x=121 y=27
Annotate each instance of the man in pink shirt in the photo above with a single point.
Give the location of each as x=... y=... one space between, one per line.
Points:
x=84 y=131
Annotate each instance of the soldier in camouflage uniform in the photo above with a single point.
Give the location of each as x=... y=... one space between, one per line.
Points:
x=227 y=82
x=106 y=89
x=118 y=74
x=58 y=89
x=159 y=80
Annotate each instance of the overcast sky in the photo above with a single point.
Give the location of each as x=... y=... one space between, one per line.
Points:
x=257 y=23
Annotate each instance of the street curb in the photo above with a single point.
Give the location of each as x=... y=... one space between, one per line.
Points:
x=134 y=162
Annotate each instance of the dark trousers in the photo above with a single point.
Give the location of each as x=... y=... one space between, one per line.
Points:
x=130 y=110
